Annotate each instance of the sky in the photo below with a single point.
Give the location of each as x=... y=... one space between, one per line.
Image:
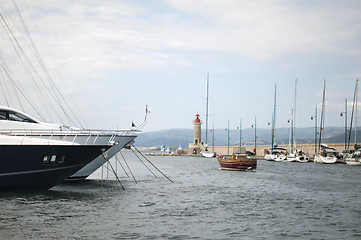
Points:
x=112 y=58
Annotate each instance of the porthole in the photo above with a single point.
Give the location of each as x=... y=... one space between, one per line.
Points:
x=61 y=159
x=53 y=159
x=46 y=159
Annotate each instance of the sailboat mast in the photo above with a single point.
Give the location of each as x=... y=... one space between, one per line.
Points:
x=274 y=118
x=322 y=115
x=352 y=113
x=213 y=138
x=354 y=110
x=207 y=110
x=356 y=93
x=294 y=118
x=240 y=134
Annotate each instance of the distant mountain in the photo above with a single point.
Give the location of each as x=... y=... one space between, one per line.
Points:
x=175 y=137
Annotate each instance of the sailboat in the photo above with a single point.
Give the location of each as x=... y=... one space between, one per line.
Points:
x=295 y=155
x=354 y=159
x=206 y=153
x=325 y=154
x=275 y=153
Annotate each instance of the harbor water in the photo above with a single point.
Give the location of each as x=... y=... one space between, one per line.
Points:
x=277 y=201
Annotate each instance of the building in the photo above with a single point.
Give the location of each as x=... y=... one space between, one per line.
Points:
x=195 y=148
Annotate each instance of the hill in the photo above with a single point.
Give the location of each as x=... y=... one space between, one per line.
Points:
x=175 y=137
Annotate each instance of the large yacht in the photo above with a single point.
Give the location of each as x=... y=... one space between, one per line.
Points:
x=38 y=163
x=16 y=123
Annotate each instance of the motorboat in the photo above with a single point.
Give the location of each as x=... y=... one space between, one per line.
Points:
x=16 y=123
x=30 y=163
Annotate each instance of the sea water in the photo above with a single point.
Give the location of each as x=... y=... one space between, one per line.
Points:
x=277 y=201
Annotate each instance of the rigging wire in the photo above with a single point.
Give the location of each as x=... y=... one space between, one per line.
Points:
x=3 y=89
x=30 y=70
x=56 y=68
x=46 y=72
x=20 y=52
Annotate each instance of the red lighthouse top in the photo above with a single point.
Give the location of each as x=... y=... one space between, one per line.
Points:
x=197 y=120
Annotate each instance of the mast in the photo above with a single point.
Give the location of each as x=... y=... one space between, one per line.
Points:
x=294 y=118
x=322 y=115
x=356 y=93
x=228 y=139
x=255 y=136
x=274 y=119
x=207 y=111
x=291 y=139
x=346 y=124
x=213 y=138
x=315 y=129
x=354 y=107
x=240 y=134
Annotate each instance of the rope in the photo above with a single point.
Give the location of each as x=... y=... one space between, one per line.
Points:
x=151 y=163
x=144 y=163
x=128 y=167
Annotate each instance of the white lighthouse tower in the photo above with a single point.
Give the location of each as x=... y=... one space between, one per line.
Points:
x=195 y=147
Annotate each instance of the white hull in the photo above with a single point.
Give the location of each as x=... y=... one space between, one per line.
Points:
x=280 y=158
x=208 y=154
x=327 y=160
x=303 y=159
x=100 y=160
x=270 y=157
x=353 y=163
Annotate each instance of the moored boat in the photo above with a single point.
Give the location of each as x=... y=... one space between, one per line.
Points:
x=328 y=155
x=239 y=162
x=354 y=158
x=36 y=164
x=17 y=123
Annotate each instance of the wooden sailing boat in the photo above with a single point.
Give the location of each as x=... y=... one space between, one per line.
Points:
x=206 y=153
x=237 y=161
x=325 y=154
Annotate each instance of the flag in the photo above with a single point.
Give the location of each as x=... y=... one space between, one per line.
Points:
x=133 y=125
x=146 y=109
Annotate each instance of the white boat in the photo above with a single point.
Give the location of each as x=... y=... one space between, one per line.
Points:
x=281 y=158
x=206 y=153
x=276 y=154
x=273 y=152
x=319 y=158
x=354 y=157
x=17 y=123
x=294 y=154
x=325 y=154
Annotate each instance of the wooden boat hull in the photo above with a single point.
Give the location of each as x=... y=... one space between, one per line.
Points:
x=243 y=164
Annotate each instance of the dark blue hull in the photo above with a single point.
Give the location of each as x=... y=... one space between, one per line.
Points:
x=37 y=167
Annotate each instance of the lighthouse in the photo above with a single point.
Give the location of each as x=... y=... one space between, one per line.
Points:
x=195 y=147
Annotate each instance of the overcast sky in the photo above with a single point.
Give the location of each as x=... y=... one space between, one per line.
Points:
x=117 y=56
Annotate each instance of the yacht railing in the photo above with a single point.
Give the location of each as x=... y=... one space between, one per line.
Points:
x=81 y=136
